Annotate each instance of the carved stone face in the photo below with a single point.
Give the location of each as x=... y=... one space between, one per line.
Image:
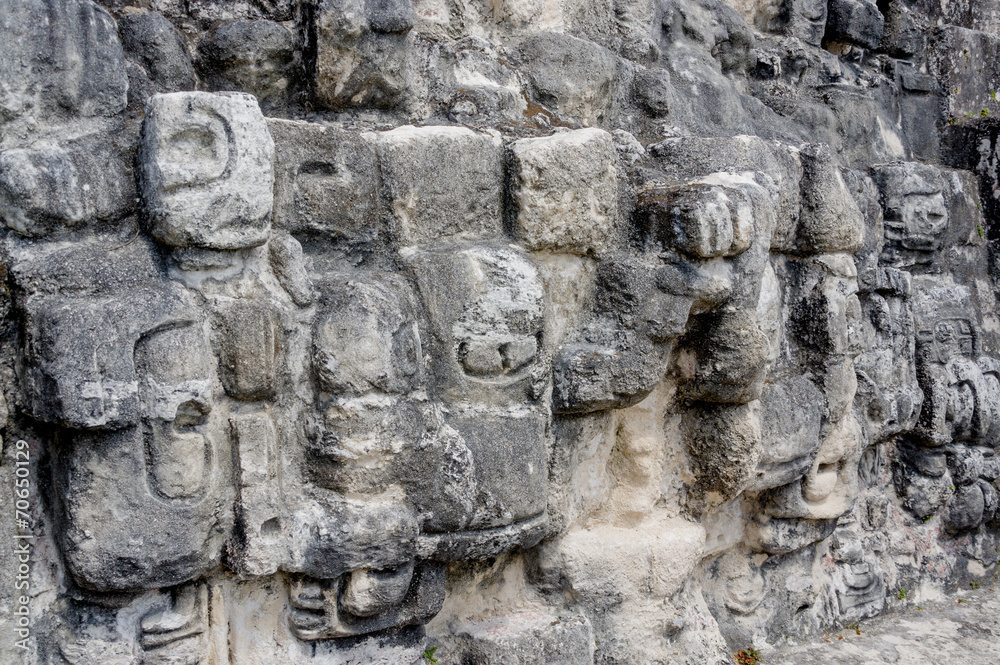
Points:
x=154 y=451
x=914 y=210
x=207 y=177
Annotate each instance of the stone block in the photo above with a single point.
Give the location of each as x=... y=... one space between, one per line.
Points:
x=704 y=220
x=792 y=411
x=79 y=370
x=914 y=212
x=326 y=182
x=51 y=188
x=566 y=191
x=534 y=636
x=830 y=220
x=153 y=42
x=257 y=548
x=79 y=72
x=442 y=182
x=361 y=50
x=965 y=64
x=256 y=57
x=487 y=312
x=573 y=77
x=206 y=172
x=249 y=349
x=366 y=340
x=723 y=358
x=855 y=22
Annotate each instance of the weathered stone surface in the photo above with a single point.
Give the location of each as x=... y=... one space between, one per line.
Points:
x=153 y=42
x=249 y=56
x=61 y=57
x=51 y=188
x=575 y=332
x=442 y=182
x=326 y=182
x=360 y=52
x=207 y=172
x=573 y=77
x=854 y=21
x=567 y=196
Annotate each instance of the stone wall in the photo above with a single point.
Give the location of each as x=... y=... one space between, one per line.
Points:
x=529 y=331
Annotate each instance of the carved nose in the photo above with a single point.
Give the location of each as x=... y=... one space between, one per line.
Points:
x=389 y=16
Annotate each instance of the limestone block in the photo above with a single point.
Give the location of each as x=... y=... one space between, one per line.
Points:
x=166 y=483
x=914 y=210
x=319 y=611
x=249 y=56
x=326 y=182
x=50 y=188
x=791 y=412
x=289 y=267
x=572 y=77
x=206 y=172
x=725 y=443
x=509 y=452
x=589 y=561
x=249 y=349
x=781 y=536
x=701 y=219
x=521 y=637
x=566 y=191
x=257 y=548
x=593 y=377
x=361 y=50
x=487 y=312
x=855 y=22
x=79 y=369
x=152 y=41
x=80 y=71
x=964 y=63
x=687 y=158
x=805 y=19
x=366 y=340
x=724 y=358
x=830 y=220
x=442 y=182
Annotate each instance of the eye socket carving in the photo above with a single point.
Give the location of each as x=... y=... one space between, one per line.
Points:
x=191 y=414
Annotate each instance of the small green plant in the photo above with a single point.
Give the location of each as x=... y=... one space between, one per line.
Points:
x=747 y=657
x=927 y=518
x=902 y=593
x=855 y=627
x=983 y=113
x=993 y=95
x=979 y=230
x=429 y=655
x=974 y=585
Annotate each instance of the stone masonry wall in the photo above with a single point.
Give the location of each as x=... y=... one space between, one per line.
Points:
x=564 y=332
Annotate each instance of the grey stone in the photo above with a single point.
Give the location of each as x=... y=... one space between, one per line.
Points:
x=326 y=182
x=525 y=637
x=442 y=182
x=566 y=191
x=854 y=21
x=360 y=52
x=153 y=42
x=247 y=337
x=81 y=73
x=572 y=77
x=249 y=56
x=206 y=171
x=50 y=188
